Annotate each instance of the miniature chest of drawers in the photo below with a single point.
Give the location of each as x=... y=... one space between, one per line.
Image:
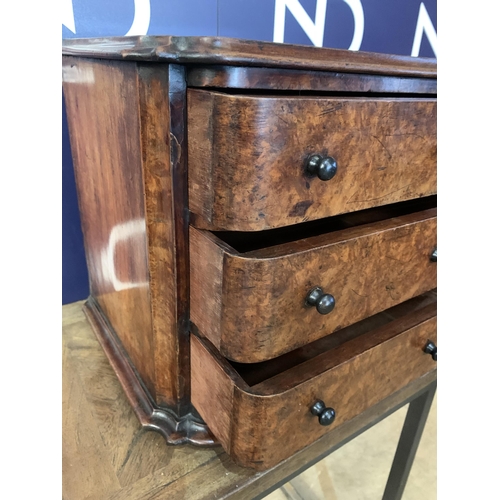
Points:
x=260 y=232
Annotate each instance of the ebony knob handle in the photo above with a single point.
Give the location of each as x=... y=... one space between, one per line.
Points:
x=324 y=302
x=431 y=348
x=325 y=415
x=324 y=167
x=434 y=255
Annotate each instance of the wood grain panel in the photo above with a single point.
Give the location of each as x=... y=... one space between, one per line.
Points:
x=385 y=149
x=277 y=79
x=350 y=378
x=162 y=102
x=102 y=102
x=262 y=311
x=127 y=124
x=155 y=148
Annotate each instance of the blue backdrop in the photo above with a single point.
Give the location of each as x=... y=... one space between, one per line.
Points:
x=392 y=26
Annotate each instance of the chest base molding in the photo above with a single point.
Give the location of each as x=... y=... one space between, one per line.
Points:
x=188 y=429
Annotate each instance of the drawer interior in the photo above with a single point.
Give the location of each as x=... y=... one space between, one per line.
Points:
x=244 y=242
x=299 y=365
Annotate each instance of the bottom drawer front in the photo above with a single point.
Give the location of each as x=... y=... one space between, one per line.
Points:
x=262 y=425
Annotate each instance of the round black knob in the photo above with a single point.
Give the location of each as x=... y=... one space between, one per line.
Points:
x=434 y=255
x=324 y=167
x=324 y=302
x=325 y=415
x=431 y=348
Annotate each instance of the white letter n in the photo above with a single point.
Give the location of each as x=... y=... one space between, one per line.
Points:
x=314 y=30
x=424 y=23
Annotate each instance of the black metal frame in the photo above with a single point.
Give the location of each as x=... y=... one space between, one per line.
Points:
x=415 y=420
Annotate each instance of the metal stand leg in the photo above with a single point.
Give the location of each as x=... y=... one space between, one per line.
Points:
x=408 y=444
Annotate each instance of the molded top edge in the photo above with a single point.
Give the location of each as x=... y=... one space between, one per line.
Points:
x=236 y=52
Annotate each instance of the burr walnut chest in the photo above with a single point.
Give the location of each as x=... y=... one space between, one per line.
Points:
x=260 y=232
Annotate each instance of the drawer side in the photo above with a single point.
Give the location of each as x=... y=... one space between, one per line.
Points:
x=206 y=291
x=211 y=392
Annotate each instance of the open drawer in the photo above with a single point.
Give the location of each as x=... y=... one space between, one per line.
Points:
x=256 y=303
x=262 y=413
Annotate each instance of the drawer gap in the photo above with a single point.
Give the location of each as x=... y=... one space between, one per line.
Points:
x=259 y=374
x=249 y=241
x=270 y=93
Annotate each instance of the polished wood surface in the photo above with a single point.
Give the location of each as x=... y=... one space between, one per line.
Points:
x=351 y=378
x=107 y=455
x=215 y=50
x=252 y=306
x=162 y=101
x=105 y=129
x=278 y=79
x=127 y=123
x=247 y=156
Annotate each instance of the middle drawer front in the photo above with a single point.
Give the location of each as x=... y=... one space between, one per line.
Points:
x=248 y=156
x=254 y=305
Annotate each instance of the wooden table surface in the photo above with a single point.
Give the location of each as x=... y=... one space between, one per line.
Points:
x=106 y=454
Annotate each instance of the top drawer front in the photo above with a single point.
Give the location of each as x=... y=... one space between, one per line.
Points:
x=247 y=156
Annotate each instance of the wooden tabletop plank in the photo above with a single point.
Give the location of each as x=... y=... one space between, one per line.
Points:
x=86 y=459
